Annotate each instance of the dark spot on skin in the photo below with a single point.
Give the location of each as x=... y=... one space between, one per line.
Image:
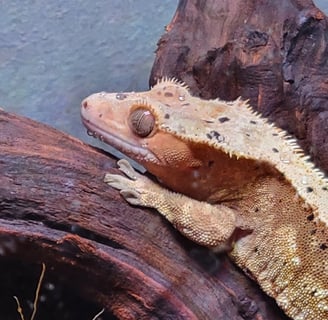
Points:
x=256 y=209
x=323 y=246
x=324 y=188
x=210 y=163
x=248 y=135
x=185 y=104
x=168 y=94
x=313 y=232
x=313 y=292
x=309 y=189
x=275 y=150
x=167 y=116
x=100 y=115
x=275 y=134
x=159 y=93
x=310 y=217
x=253 y=122
x=223 y=119
x=216 y=135
x=256 y=249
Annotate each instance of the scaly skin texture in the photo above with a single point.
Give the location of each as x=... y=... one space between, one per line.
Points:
x=237 y=180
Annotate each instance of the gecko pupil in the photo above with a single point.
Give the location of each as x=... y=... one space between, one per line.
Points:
x=141 y=122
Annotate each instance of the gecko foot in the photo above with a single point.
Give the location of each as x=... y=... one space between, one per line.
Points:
x=132 y=186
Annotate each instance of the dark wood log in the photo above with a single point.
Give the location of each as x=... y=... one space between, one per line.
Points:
x=55 y=208
x=271 y=52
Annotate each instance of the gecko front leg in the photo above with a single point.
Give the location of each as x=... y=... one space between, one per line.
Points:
x=206 y=224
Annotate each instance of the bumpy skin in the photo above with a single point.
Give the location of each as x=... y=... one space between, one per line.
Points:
x=234 y=179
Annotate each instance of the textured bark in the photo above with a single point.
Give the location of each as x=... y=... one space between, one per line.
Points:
x=273 y=53
x=55 y=208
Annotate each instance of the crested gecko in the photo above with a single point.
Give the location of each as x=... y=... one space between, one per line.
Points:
x=227 y=176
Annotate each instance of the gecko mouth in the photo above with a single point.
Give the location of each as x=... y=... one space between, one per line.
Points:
x=135 y=152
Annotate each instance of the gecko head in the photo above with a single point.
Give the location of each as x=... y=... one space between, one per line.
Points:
x=134 y=122
x=173 y=135
x=111 y=119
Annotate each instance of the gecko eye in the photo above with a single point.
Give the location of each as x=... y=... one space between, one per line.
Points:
x=141 y=122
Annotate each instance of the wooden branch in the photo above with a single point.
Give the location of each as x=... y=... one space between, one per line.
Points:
x=271 y=52
x=55 y=208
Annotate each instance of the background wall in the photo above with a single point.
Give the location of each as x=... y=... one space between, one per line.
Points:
x=55 y=53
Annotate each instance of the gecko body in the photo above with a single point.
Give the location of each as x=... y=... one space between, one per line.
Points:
x=227 y=176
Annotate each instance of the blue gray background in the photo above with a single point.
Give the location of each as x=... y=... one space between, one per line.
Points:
x=55 y=53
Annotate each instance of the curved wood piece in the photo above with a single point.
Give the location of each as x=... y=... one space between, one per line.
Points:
x=55 y=208
x=273 y=53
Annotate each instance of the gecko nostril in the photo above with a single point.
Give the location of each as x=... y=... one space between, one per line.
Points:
x=85 y=104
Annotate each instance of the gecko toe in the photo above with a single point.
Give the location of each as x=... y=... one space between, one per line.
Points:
x=131 y=196
x=116 y=181
x=127 y=169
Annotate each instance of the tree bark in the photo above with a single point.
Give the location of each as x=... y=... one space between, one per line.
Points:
x=273 y=53
x=55 y=208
